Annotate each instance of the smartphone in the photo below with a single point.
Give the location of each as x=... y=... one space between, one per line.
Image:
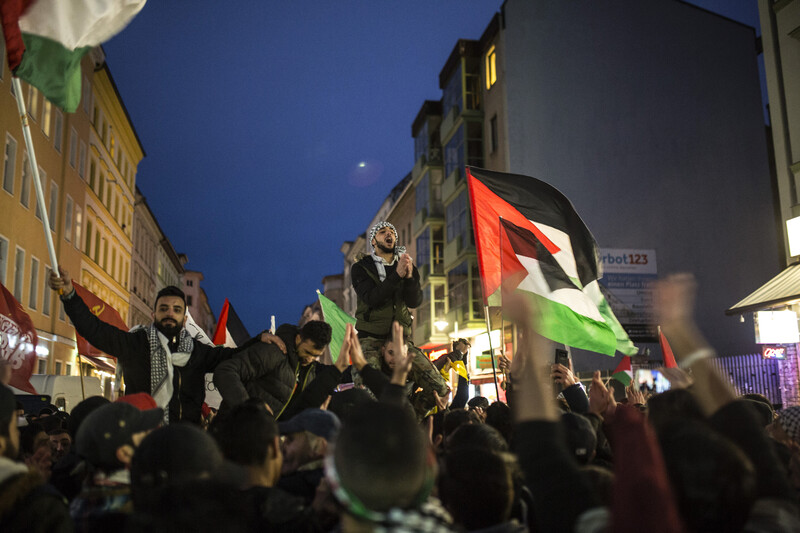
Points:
x=562 y=357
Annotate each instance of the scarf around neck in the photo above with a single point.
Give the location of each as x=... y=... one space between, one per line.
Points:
x=162 y=361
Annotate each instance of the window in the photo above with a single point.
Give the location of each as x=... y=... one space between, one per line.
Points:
x=101 y=186
x=82 y=160
x=58 y=131
x=437 y=250
x=58 y=368
x=421 y=142
x=490 y=60
x=493 y=133
x=105 y=255
x=47 y=293
x=3 y=54
x=19 y=273
x=33 y=102
x=92 y=172
x=69 y=369
x=73 y=148
x=25 y=193
x=458 y=288
x=474 y=144
x=87 y=95
x=422 y=194
x=88 y=246
x=78 y=222
x=46 y=116
x=3 y=259
x=33 y=291
x=52 y=213
x=451 y=96
x=188 y=300
x=457 y=220
x=113 y=270
x=97 y=242
x=41 y=367
x=68 y=219
x=424 y=247
x=454 y=152
x=9 y=164
x=43 y=182
x=189 y=282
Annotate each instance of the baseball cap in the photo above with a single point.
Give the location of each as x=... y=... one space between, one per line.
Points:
x=109 y=427
x=321 y=423
x=140 y=400
x=581 y=436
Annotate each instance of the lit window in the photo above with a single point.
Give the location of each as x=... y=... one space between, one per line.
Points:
x=34 y=287
x=491 y=67
x=9 y=164
x=48 y=110
x=33 y=102
x=68 y=220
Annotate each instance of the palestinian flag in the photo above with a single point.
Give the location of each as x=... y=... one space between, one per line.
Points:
x=530 y=239
x=230 y=329
x=17 y=341
x=623 y=373
x=337 y=320
x=46 y=40
x=666 y=350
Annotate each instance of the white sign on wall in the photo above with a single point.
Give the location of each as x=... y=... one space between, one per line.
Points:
x=626 y=283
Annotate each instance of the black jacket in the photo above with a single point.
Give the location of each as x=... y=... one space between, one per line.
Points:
x=263 y=371
x=381 y=302
x=132 y=350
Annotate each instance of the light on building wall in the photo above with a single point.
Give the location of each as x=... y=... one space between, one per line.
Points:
x=776 y=327
x=793 y=234
x=441 y=324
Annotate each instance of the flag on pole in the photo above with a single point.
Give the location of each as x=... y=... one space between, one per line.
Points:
x=337 y=320
x=623 y=373
x=18 y=341
x=230 y=331
x=669 y=357
x=46 y=40
x=104 y=312
x=531 y=240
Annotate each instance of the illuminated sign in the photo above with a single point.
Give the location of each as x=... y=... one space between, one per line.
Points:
x=774 y=352
x=776 y=327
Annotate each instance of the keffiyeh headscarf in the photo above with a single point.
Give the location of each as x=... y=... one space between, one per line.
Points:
x=398 y=250
x=162 y=361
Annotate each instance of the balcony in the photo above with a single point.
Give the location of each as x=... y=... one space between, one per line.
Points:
x=451 y=185
x=451 y=252
x=448 y=124
x=424 y=272
x=419 y=168
x=419 y=220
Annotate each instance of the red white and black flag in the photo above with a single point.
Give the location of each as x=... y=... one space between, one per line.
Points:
x=530 y=239
x=230 y=329
x=17 y=341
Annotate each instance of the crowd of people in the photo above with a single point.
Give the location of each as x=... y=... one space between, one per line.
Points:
x=372 y=443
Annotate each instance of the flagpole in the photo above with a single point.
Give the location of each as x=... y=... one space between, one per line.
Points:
x=491 y=351
x=80 y=372
x=37 y=184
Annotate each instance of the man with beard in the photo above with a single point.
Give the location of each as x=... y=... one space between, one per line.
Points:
x=161 y=359
x=387 y=285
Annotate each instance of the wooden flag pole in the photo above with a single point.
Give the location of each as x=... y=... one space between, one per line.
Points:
x=37 y=184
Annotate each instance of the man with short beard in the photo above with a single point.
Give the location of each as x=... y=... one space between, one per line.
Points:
x=161 y=359
x=387 y=285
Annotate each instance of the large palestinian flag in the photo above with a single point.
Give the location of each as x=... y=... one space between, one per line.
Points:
x=530 y=239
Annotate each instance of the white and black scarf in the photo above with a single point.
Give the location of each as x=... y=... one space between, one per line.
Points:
x=381 y=264
x=162 y=360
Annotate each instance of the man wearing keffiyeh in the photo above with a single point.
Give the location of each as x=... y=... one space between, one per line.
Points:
x=387 y=285
x=161 y=359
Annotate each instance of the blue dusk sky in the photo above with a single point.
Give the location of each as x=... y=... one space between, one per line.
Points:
x=274 y=131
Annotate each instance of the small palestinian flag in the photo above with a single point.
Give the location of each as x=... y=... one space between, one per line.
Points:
x=338 y=320
x=623 y=372
x=531 y=240
x=669 y=357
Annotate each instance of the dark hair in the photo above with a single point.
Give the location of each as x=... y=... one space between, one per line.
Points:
x=713 y=481
x=672 y=405
x=7 y=410
x=83 y=409
x=457 y=417
x=498 y=415
x=245 y=434
x=170 y=290
x=343 y=402
x=27 y=437
x=477 y=436
x=171 y=455
x=382 y=457
x=465 y=469
x=318 y=332
x=461 y=341
x=478 y=402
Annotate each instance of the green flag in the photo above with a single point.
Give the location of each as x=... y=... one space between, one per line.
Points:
x=337 y=320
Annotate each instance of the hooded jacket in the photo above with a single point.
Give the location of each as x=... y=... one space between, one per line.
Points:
x=27 y=504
